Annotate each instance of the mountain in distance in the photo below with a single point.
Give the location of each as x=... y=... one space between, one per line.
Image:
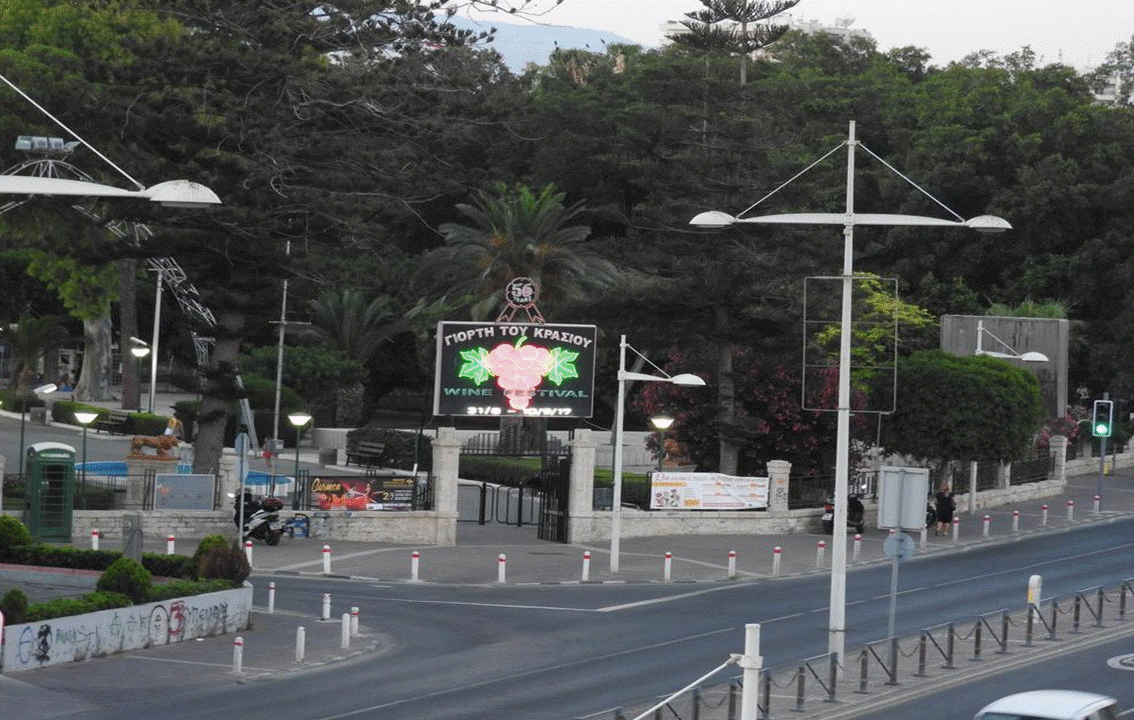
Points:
x=523 y=44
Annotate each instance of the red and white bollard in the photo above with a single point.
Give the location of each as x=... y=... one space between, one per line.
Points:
x=956 y=528
x=271 y=597
x=586 y=576
x=731 y=564
x=326 y=559
x=1043 y=515
x=857 y=547
x=984 y=530
x=776 y=552
x=501 y=568
x=1070 y=510
x=820 y=553
x=248 y=551
x=169 y=542
x=667 y=572
x=94 y=539
x=1015 y=521
x=1098 y=504
x=354 y=620
x=238 y=655
x=415 y=560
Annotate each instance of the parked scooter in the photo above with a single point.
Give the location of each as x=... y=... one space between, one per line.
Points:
x=261 y=518
x=855 y=515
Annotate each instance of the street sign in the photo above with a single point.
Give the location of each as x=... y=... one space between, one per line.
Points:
x=899 y=546
x=901 y=497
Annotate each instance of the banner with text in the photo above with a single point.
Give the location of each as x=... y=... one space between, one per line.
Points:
x=533 y=369
x=707 y=491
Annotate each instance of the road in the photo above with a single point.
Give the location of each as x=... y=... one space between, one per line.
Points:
x=555 y=652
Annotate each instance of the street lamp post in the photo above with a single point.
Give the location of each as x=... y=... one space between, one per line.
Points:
x=1031 y=356
x=41 y=390
x=84 y=419
x=623 y=378
x=139 y=349
x=848 y=219
x=661 y=423
x=298 y=420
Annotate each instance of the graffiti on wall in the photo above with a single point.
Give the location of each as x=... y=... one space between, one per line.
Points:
x=106 y=632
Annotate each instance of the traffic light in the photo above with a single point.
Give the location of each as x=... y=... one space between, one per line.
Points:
x=1102 y=420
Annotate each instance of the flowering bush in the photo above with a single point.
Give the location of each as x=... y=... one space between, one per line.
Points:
x=1068 y=426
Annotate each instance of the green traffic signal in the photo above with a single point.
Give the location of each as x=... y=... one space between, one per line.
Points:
x=1101 y=425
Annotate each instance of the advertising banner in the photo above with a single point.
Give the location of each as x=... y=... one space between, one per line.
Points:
x=363 y=493
x=498 y=369
x=707 y=491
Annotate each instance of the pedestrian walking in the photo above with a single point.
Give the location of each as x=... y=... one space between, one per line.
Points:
x=946 y=504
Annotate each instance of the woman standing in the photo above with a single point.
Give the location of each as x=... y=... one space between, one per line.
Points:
x=945 y=507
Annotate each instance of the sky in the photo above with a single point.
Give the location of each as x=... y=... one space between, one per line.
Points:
x=1079 y=34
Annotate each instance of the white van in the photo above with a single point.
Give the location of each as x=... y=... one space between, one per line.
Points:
x=1051 y=705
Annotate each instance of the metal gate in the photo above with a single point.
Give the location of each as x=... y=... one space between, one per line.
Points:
x=542 y=500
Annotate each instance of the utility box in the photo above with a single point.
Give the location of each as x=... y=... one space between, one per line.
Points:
x=50 y=491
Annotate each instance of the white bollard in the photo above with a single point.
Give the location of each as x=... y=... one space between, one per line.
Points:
x=326 y=559
x=1015 y=521
x=354 y=620
x=169 y=541
x=300 y=643
x=326 y=606
x=1070 y=510
x=271 y=597
x=345 y=632
x=414 y=566
x=94 y=539
x=248 y=551
x=924 y=539
x=987 y=520
x=776 y=552
x=731 y=564
x=956 y=528
x=1098 y=502
x=501 y=568
x=586 y=566
x=820 y=553
x=238 y=655
x=667 y=573
x=857 y=547
x=752 y=663
x=1043 y=515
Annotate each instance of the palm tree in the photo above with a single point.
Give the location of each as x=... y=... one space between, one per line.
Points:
x=518 y=233
x=28 y=340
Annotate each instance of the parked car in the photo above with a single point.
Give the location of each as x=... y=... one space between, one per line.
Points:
x=1051 y=705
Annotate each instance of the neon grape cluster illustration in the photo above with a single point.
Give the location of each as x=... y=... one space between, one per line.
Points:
x=519 y=368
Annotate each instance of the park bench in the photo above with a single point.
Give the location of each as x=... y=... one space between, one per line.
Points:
x=365 y=452
x=113 y=421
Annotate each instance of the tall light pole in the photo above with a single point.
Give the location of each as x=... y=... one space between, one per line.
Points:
x=623 y=378
x=848 y=219
x=41 y=390
x=298 y=420
x=84 y=419
x=139 y=349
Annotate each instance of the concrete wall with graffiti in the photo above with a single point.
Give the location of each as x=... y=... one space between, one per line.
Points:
x=79 y=637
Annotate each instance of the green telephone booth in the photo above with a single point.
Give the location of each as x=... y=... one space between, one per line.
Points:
x=51 y=491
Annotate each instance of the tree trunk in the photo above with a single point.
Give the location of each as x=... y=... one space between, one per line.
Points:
x=726 y=396
x=127 y=328
x=218 y=389
x=94 y=380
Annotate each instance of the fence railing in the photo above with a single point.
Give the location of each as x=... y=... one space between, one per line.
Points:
x=893 y=663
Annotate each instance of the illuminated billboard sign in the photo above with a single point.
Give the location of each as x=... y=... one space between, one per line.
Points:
x=533 y=369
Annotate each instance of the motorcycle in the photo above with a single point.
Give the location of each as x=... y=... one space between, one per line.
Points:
x=855 y=515
x=261 y=518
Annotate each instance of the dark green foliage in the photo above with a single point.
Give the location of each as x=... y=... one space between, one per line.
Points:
x=128 y=577
x=400 y=446
x=185 y=588
x=63 y=607
x=169 y=566
x=14 y=605
x=207 y=543
x=67 y=557
x=13 y=533
x=225 y=563
x=499 y=470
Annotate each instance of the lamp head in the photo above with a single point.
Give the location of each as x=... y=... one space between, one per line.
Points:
x=688 y=380
x=988 y=224
x=661 y=422
x=45 y=389
x=713 y=219
x=299 y=419
x=1033 y=356
x=85 y=418
x=182 y=194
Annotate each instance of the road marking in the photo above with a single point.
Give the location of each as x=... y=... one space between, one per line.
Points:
x=534 y=671
x=1065 y=558
x=667 y=598
x=510 y=606
x=1122 y=662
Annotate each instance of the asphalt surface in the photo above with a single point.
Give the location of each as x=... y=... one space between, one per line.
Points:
x=495 y=555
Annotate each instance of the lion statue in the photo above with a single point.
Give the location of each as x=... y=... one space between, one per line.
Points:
x=161 y=444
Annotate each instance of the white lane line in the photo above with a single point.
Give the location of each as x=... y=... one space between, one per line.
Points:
x=533 y=671
x=667 y=598
x=1065 y=558
x=473 y=604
